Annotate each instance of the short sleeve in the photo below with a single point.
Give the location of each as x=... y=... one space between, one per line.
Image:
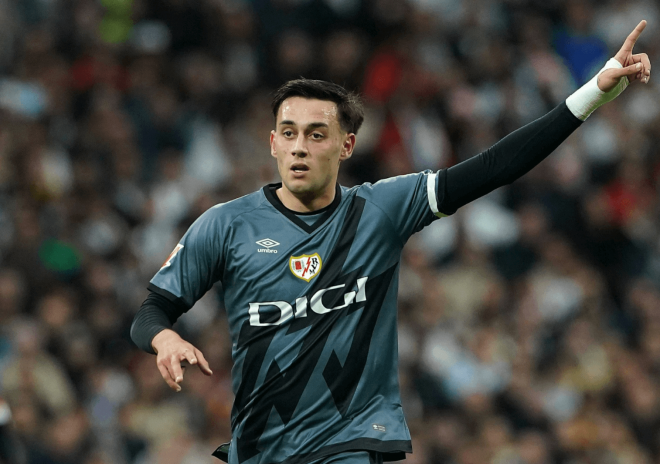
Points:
x=195 y=264
x=410 y=201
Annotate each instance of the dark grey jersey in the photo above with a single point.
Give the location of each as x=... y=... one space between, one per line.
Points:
x=312 y=315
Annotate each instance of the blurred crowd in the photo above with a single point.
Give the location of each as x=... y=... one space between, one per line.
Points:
x=529 y=320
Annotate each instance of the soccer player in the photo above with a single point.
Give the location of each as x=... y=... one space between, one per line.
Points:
x=310 y=272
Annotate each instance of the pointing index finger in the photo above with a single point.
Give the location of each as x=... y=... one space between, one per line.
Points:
x=632 y=38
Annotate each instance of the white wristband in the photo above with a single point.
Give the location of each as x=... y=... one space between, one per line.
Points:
x=587 y=98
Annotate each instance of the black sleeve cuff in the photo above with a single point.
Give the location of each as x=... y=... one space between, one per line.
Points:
x=157 y=313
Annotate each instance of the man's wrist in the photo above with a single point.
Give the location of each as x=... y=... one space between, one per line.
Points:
x=589 y=97
x=161 y=337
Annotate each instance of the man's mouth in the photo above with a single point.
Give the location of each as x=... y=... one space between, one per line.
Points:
x=299 y=167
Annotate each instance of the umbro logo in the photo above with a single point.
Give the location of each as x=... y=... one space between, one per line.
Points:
x=267 y=244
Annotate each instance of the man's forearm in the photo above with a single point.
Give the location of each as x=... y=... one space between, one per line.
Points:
x=156 y=314
x=507 y=160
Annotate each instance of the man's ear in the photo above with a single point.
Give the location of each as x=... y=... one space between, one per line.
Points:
x=347 y=148
x=273 y=153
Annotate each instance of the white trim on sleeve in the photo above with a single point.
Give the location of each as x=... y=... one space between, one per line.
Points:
x=430 y=190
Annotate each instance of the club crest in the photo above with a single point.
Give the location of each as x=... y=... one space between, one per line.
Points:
x=305 y=267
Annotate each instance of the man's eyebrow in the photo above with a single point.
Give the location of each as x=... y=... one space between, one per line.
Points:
x=311 y=125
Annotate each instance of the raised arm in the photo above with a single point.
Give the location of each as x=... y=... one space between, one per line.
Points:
x=517 y=153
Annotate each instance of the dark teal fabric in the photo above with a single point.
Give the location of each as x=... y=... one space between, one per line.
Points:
x=315 y=362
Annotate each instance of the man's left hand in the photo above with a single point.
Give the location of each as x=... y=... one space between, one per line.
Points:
x=609 y=78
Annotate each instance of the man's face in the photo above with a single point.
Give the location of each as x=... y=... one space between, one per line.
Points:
x=309 y=145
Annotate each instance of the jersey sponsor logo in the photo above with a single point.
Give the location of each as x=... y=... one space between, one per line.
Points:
x=169 y=259
x=278 y=312
x=305 y=267
x=267 y=244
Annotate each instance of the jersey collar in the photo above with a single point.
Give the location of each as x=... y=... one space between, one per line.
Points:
x=271 y=196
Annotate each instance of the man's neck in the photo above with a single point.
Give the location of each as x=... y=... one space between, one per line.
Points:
x=304 y=204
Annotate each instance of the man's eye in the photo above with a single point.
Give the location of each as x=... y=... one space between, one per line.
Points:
x=317 y=136
x=287 y=133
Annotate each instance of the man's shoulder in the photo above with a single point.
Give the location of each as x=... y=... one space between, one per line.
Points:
x=230 y=210
x=373 y=190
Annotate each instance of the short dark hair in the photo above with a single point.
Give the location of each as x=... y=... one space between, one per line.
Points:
x=349 y=105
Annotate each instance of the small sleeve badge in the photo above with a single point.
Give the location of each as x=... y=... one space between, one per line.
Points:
x=169 y=259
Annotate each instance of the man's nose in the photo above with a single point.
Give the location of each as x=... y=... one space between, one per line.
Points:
x=300 y=147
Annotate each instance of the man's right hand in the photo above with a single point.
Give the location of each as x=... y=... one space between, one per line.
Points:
x=171 y=350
